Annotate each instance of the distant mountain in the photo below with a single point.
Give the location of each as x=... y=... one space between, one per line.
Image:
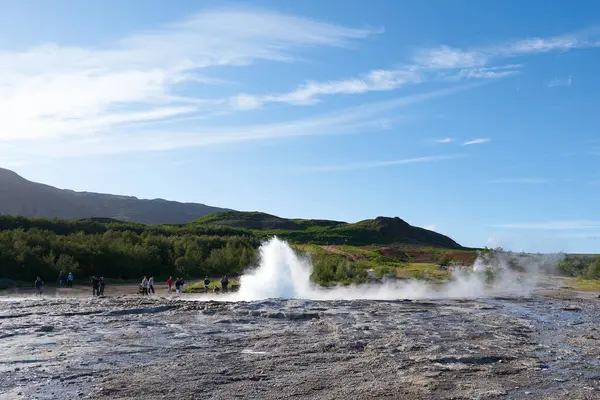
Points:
x=378 y=231
x=19 y=196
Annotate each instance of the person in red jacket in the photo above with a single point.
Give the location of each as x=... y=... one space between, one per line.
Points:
x=170 y=284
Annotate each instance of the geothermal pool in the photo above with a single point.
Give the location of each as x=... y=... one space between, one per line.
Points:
x=286 y=339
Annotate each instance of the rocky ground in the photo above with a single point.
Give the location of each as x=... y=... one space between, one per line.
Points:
x=124 y=347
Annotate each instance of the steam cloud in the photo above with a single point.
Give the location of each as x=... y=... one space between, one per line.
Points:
x=282 y=274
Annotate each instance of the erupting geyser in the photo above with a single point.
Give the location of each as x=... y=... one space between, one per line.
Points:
x=281 y=274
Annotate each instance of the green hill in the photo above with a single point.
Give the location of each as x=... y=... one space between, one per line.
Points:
x=223 y=243
x=381 y=230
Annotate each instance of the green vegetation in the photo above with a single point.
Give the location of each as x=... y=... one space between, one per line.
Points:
x=224 y=243
x=582 y=266
x=380 y=230
x=423 y=271
x=586 y=285
x=38 y=247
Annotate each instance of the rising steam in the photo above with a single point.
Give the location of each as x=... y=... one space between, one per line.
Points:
x=282 y=274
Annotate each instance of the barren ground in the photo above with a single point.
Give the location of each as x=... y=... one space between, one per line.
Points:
x=123 y=346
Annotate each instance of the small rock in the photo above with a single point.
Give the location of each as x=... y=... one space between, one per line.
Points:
x=572 y=308
x=46 y=328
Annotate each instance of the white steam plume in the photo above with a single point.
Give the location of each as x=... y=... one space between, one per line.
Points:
x=282 y=274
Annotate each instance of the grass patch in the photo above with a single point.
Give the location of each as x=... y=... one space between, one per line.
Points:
x=423 y=271
x=586 y=285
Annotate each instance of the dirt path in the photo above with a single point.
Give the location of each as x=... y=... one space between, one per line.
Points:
x=333 y=249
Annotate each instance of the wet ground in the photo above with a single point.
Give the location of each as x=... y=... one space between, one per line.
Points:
x=126 y=347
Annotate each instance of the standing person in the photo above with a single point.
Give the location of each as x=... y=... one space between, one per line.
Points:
x=144 y=286
x=95 y=285
x=170 y=284
x=206 y=284
x=151 y=285
x=61 y=279
x=224 y=283
x=70 y=280
x=101 y=293
x=181 y=285
x=39 y=284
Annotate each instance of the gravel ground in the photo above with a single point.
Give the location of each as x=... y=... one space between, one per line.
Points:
x=126 y=347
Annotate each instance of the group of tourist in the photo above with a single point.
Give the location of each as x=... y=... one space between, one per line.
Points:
x=179 y=282
x=146 y=286
x=64 y=278
x=98 y=286
x=224 y=285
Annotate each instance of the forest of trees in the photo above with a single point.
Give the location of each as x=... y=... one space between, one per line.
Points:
x=39 y=247
x=119 y=250
x=583 y=266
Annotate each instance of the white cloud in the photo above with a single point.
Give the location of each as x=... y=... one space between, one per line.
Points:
x=444 y=57
x=445 y=140
x=430 y=227
x=560 y=82
x=476 y=141
x=309 y=93
x=521 y=180
x=486 y=73
x=53 y=90
x=379 y=164
x=347 y=121
x=553 y=225
x=439 y=63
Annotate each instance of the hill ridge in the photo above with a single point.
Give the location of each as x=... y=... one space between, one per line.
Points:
x=380 y=230
x=20 y=196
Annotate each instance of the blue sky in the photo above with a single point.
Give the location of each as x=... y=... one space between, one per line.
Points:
x=476 y=119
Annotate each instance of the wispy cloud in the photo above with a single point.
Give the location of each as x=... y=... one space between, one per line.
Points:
x=592 y=236
x=476 y=141
x=377 y=80
x=439 y=63
x=445 y=140
x=521 y=180
x=346 y=121
x=553 y=225
x=560 y=82
x=379 y=164
x=53 y=90
x=310 y=92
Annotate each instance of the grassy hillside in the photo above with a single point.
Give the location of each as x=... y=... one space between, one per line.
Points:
x=215 y=245
x=381 y=230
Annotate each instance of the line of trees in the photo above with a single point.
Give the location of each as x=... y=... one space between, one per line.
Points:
x=28 y=252
x=581 y=265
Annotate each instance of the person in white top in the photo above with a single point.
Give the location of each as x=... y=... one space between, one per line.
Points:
x=145 y=286
x=151 y=284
